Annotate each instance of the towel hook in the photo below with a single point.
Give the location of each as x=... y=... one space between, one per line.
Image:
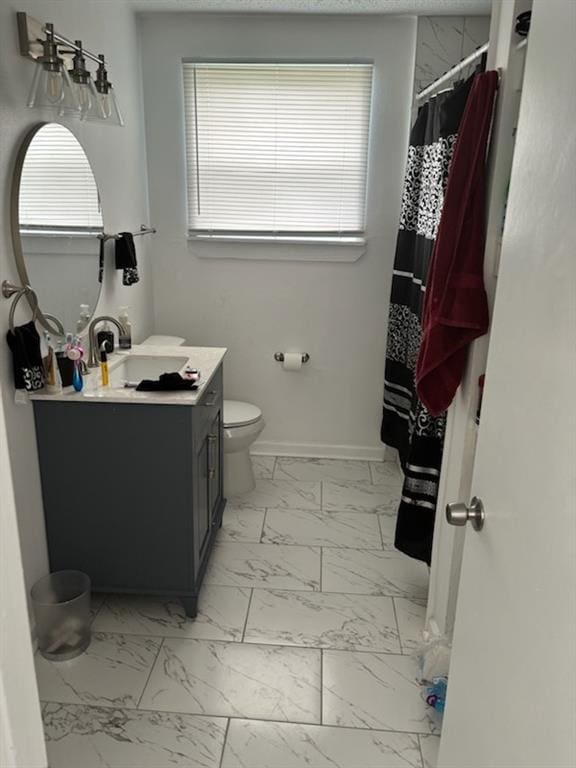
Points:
x=9 y=290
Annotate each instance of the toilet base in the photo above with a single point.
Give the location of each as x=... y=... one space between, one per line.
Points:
x=238 y=474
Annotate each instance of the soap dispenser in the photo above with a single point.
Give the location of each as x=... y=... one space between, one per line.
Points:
x=125 y=341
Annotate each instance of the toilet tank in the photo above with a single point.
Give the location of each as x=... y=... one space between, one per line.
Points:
x=158 y=340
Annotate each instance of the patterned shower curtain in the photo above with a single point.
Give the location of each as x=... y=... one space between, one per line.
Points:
x=406 y=424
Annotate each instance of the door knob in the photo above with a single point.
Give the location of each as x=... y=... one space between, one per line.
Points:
x=460 y=514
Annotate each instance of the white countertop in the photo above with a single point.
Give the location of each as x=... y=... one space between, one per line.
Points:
x=205 y=359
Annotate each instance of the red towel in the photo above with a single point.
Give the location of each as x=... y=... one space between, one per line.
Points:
x=455 y=307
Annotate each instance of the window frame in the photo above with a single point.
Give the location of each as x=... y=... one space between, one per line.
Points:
x=349 y=246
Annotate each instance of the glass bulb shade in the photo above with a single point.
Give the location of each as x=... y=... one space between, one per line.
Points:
x=47 y=88
x=88 y=98
x=109 y=111
x=69 y=104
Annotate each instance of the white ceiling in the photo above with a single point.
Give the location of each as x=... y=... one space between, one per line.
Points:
x=421 y=7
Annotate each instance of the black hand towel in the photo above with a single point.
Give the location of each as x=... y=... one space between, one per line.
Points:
x=168 y=382
x=24 y=343
x=126 y=258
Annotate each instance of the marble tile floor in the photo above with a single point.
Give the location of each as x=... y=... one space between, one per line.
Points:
x=300 y=655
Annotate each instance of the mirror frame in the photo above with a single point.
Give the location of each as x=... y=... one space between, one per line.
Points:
x=15 y=226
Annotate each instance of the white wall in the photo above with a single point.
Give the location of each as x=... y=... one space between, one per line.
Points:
x=118 y=160
x=336 y=312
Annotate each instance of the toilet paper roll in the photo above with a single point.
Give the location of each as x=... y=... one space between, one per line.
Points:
x=292 y=361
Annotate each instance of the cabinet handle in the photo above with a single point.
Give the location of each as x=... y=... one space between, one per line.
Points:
x=214 y=399
x=212 y=440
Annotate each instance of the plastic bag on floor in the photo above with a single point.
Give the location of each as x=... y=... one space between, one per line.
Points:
x=433 y=658
x=435 y=696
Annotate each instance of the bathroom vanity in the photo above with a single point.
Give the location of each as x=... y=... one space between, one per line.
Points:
x=132 y=481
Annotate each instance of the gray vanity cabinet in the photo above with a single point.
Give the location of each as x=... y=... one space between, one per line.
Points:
x=133 y=492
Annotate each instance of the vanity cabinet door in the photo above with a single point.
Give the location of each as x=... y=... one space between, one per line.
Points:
x=215 y=468
x=202 y=509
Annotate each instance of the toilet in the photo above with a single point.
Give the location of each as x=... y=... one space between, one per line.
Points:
x=243 y=423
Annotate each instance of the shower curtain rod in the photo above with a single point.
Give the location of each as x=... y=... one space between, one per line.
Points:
x=451 y=72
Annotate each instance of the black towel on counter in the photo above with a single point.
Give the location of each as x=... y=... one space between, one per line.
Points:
x=24 y=343
x=126 y=258
x=168 y=382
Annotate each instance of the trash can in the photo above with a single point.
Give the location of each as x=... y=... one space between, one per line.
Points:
x=61 y=603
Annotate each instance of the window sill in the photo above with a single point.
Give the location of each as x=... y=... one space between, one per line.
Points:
x=329 y=249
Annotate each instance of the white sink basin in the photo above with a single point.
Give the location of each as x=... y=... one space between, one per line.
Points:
x=137 y=367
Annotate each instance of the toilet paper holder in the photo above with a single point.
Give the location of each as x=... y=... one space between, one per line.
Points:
x=279 y=357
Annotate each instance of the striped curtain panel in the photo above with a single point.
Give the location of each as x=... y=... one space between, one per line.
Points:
x=406 y=424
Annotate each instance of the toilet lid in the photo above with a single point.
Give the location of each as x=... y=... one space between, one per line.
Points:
x=237 y=414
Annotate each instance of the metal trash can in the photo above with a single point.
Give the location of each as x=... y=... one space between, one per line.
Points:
x=61 y=603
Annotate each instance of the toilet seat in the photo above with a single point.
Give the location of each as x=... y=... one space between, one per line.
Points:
x=239 y=414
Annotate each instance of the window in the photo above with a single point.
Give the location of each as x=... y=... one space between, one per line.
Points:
x=277 y=151
x=57 y=188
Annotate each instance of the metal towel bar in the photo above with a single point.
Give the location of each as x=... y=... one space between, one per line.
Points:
x=142 y=231
x=10 y=290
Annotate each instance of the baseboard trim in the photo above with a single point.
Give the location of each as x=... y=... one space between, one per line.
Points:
x=320 y=451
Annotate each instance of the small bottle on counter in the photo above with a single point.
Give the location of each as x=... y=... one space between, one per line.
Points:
x=105 y=380
x=106 y=336
x=84 y=318
x=125 y=341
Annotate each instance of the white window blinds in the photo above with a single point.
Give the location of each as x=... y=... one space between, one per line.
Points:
x=277 y=149
x=57 y=187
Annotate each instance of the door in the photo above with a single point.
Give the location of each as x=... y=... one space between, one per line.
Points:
x=506 y=55
x=512 y=685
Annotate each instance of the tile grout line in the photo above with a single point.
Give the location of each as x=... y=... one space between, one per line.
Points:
x=150 y=672
x=244 y=717
x=339 y=511
x=303 y=546
x=405 y=595
x=275 y=644
x=221 y=763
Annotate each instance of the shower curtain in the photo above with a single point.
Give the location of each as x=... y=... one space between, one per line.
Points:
x=406 y=424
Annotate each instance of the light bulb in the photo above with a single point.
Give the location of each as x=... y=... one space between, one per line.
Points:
x=84 y=98
x=105 y=105
x=54 y=87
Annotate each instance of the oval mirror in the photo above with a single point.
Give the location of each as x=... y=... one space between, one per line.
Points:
x=56 y=220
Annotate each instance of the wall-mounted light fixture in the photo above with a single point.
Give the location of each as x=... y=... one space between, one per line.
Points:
x=61 y=80
x=107 y=98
